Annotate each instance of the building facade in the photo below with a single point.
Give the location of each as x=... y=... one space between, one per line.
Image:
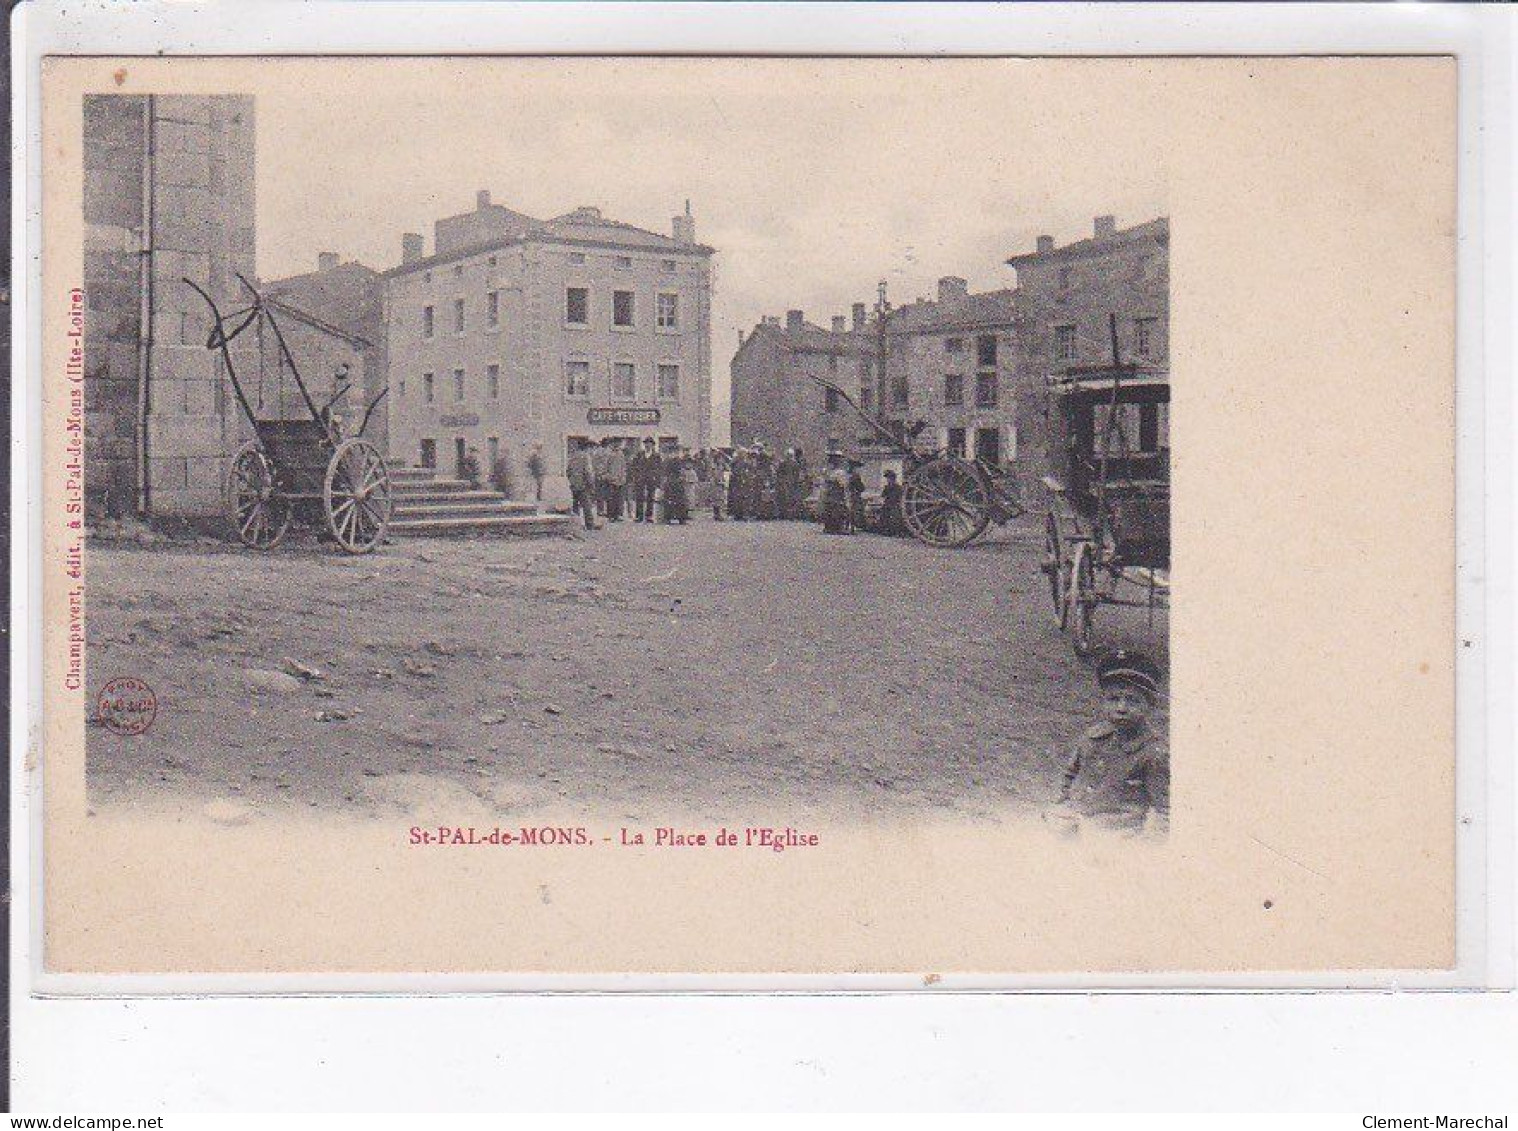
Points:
x=168 y=195
x=776 y=399
x=950 y=365
x=1069 y=300
x=518 y=336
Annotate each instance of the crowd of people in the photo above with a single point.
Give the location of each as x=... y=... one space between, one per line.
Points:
x=619 y=479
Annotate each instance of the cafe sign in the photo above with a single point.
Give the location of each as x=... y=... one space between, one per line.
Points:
x=623 y=416
x=461 y=420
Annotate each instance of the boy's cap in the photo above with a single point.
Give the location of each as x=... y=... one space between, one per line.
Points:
x=1131 y=669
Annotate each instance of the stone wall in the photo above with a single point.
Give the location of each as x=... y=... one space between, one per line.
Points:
x=168 y=195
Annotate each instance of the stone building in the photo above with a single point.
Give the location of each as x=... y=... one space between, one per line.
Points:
x=776 y=401
x=168 y=194
x=951 y=363
x=338 y=318
x=1067 y=298
x=518 y=335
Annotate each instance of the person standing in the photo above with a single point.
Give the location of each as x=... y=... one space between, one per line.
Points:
x=582 y=482
x=644 y=476
x=676 y=502
x=835 y=495
x=858 y=517
x=891 y=523
x=737 y=477
x=612 y=473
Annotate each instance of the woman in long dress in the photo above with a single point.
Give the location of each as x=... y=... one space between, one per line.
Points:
x=835 y=496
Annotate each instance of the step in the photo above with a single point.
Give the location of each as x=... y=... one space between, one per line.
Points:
x=508 y=524
x=451 y=509
x=424 y=498
x=413 y=473
x=399 y=485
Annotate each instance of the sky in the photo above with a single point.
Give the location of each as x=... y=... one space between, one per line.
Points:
x=813 y=179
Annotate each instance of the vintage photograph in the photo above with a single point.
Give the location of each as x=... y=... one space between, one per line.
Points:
x=572 y=517
x=624 y=479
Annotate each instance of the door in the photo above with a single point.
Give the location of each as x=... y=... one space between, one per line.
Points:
x=988 y=445
x=429 y=453
x=458 y=456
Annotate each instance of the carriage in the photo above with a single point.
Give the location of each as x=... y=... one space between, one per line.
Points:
x=302 y=470
x=1107 y=532
x=947 y=500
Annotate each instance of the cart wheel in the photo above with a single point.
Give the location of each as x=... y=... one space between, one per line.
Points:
x=356 y=496
x=945 y=503
x=258 y=514
x=1055 y=566
x=1083 y=598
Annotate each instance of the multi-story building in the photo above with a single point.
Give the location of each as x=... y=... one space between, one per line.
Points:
x=1070 y=299
x=518 y=336
x=951 y=364
x=168 y=195
x=776 y=399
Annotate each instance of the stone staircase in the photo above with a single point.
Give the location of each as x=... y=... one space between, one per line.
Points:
x=427 y=506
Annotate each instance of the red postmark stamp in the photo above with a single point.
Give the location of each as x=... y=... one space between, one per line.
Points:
x=126 y=706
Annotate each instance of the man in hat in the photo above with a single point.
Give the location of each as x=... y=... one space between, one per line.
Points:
x=835 y=495
x=644 y=473
x=582 y=482
x=1118 y=777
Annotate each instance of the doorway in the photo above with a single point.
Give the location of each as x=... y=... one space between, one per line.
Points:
x=459 y=452
x=429 y=454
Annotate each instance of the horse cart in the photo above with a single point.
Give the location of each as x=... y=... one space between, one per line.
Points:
x=302 y=470
x=947 y=500
x=1107 y=533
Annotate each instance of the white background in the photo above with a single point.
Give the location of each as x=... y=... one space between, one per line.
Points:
x=1390 y=1052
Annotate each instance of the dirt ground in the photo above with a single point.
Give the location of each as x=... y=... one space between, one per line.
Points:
x=719 y=669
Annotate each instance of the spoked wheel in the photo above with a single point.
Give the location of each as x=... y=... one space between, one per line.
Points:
x=1083 y=598
x=945 y=503
x=356 y=496
x=1055 y=567
x=259 y=516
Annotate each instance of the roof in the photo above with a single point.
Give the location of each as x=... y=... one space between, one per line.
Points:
x=1157 y=229
x=311 y=320
x=987 y=309
x=579 y=228
x=345 y=298
x=811 y=338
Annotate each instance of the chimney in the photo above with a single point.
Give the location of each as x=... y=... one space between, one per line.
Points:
x=326 y=260
x=859 y=316
x=587 y=212
x=684 y=227
x=411 y=247
x=838 y=323
x=482 y=199
x=951 y=288
x=1106 y=227
x=1045 y=244
x=772 y=320
x=794 y=320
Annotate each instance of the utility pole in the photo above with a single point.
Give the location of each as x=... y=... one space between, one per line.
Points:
x=882 y=348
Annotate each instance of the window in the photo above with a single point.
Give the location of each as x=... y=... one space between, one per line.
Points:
x=833 y=364
x=1064 y=343
x=428 y=455
x=985 y=390
x=458 y=271
x=491 y=261
x=458 y=315
x=667 y=312
x=624 y=261
x=1149 y=428
x=830 y=400
x=426 y=321
x=458 y=384
x=428 y=393
x=900 y=391
x=666 y=264
x=953 y=389
x=835 y=444
x=401 y=391
x=621 y=308
x=985 y=351
x=493 y=448
x=577 y=306
x=428 y=276
x=624 y=380
x=577 y=258
x=577 y=378
x=1143 y=336
x=867 y=397
x=493 y=308
x=493 y=379
x=954 y=345
x=1066 y=278
x=669 y=382
x=956 y=442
